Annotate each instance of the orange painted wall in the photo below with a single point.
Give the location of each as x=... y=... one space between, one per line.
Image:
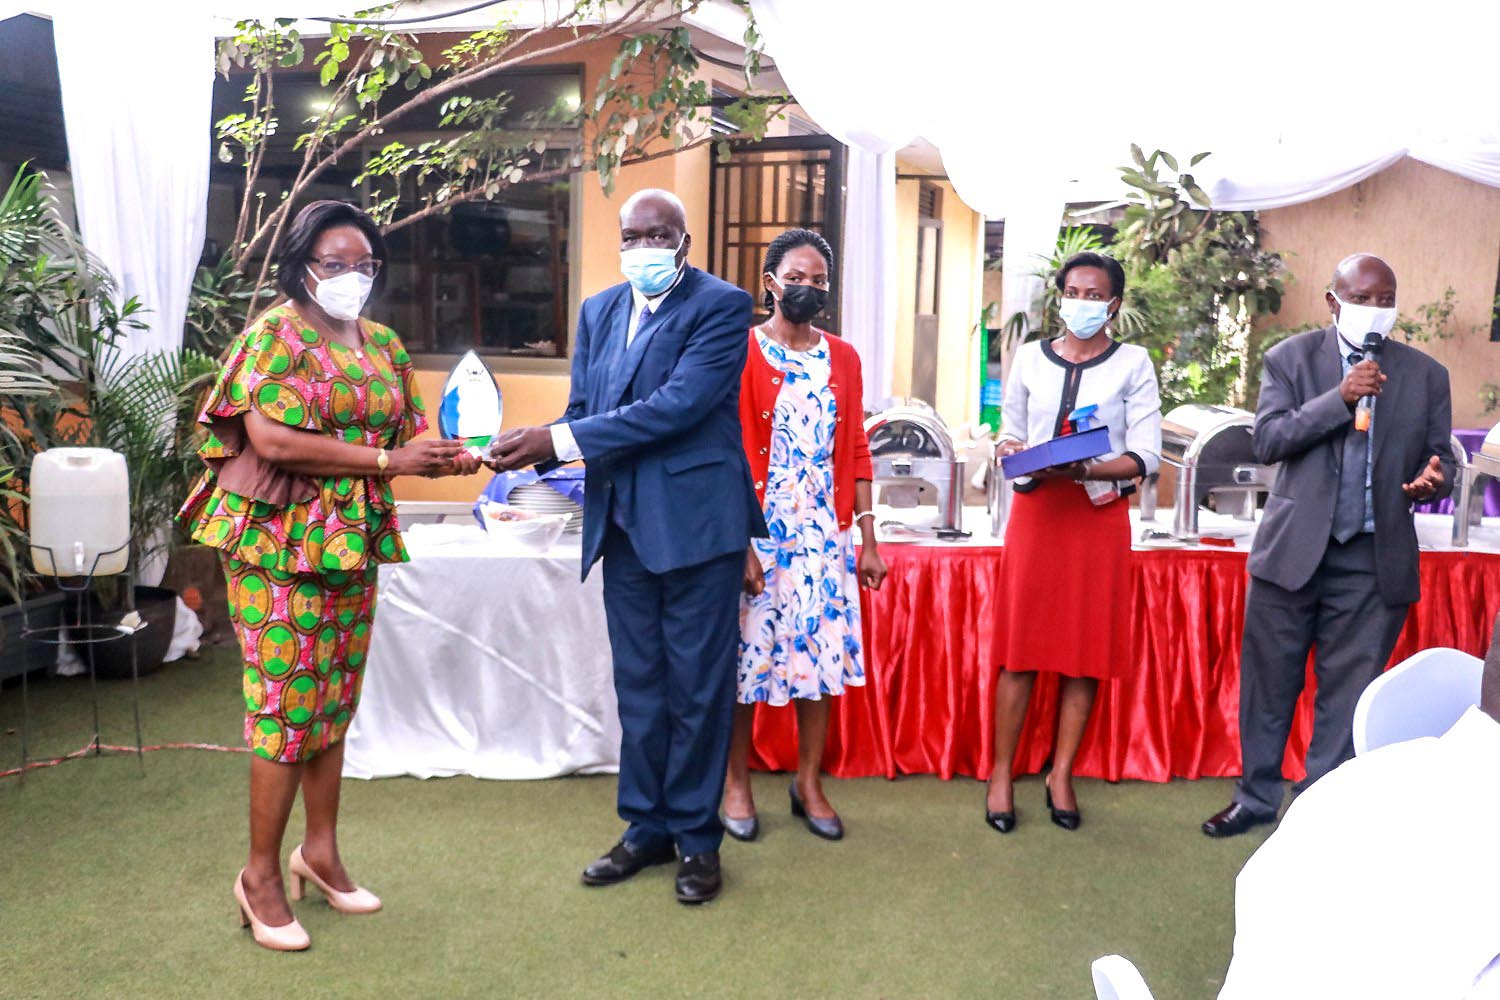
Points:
x=1436 y=229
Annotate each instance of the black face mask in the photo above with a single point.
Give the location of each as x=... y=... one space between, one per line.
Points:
x=800 y=303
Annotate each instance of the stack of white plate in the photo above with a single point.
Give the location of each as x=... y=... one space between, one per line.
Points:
x=539 y=498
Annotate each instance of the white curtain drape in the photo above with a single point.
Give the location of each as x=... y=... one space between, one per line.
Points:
x=874 y=120
x=867 y=298
x=139 y=148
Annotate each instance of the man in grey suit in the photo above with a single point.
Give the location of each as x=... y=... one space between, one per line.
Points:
x=1343 y=495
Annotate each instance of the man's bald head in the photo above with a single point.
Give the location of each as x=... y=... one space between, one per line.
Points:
x=657 y=202
x=655 y=218
x=1358 y=266
x=1362 y=279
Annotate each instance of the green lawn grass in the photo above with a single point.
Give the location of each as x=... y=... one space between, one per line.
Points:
x=114 y=883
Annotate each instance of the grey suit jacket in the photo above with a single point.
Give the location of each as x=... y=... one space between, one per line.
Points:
x=1301 y=422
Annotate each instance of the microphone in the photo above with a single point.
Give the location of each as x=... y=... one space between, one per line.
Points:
x=1366 y=408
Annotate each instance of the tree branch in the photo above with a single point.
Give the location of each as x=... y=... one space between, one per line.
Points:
x=283 y=211
x=474 y=194
x=252 y=166
x=463 y=79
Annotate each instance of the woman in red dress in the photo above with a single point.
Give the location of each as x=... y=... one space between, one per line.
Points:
x=1067 y=545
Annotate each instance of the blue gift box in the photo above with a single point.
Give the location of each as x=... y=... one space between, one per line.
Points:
x=1059 y=451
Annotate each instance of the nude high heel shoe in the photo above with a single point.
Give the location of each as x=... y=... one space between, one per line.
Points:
x=358 y=901
x=287 y=937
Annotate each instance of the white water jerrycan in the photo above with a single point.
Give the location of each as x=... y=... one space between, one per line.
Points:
x=80 y=512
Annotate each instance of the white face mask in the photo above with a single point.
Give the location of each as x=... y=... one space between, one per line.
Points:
x=342 y=297
x=1354 y=321
x=1083 y=316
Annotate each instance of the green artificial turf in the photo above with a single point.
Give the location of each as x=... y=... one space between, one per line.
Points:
x=117 y=884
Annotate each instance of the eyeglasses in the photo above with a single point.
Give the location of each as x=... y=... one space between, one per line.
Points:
x=334 y=268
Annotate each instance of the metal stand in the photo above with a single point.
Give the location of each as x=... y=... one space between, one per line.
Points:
x=87 y=635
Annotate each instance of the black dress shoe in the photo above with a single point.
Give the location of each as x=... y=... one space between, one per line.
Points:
x=623 y=861
x=698 y=878
x=1001 y=822
x=741 y=829
x=1233 y=821
x=1068 y=819
x=831 y=828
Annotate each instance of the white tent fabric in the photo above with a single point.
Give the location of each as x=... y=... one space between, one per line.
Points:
x=1033 y=106
x=139 y=151
x=1030 y=106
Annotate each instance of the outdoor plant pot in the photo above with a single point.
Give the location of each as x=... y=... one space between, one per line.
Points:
x=157 y=606
x=42 y=611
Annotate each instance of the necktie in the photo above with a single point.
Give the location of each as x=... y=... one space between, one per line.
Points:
x=641 y=321
x=1349 y=514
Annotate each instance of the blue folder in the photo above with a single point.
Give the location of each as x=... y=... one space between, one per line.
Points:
x=1059 y=451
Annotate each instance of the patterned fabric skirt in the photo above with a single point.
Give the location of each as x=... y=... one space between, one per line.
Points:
x=801 y=638
x=304 y=638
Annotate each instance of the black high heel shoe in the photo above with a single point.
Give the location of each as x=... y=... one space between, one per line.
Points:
x=1068 y=819
x=1000 y=822
x=829 y=829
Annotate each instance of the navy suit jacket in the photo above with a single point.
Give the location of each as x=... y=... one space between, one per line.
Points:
x=658 y=424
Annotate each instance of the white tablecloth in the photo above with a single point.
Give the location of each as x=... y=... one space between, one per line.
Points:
x=495 y=662
x=485 y=661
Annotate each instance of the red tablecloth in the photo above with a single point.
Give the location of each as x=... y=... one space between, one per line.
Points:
x=931 y=640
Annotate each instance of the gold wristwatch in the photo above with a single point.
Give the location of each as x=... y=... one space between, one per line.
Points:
x=382 y=460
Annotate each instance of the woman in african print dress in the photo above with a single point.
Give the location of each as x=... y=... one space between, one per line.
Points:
x=312 y=414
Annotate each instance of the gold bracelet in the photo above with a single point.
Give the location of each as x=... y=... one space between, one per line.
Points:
x=382 y=460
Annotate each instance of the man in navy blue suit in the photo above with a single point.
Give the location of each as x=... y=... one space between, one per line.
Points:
x=670 y=507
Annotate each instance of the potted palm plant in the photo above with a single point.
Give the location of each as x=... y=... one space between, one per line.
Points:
x=72 y=384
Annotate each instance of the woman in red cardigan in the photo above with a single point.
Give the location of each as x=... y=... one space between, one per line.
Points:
x=803 y=420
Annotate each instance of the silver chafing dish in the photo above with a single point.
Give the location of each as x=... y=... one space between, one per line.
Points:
x=1468 y=491
x=1211 y=449
x=915 y=461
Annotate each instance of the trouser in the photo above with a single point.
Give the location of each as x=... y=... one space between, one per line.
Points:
x=675 y=640
x=1341 y=613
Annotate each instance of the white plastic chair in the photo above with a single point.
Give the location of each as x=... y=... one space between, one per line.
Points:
x=1423 y=695
x=1117 y=978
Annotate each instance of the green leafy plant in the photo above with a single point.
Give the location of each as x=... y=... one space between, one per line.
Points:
x=651 y=102
x=1070 y=241
x=1197 y=281
x=66 y=381
x=1430 y=321
x=1489 y=398
x=218 y=302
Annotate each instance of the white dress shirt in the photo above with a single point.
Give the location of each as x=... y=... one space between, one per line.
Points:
x=1382 y=881
x=563 y=442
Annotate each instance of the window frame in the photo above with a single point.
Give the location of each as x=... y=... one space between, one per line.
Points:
x=834 y=200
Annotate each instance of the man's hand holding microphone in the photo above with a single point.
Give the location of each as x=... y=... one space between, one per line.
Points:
x=1361 y=385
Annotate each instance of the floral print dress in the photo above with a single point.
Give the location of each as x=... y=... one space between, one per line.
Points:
x=801 y=637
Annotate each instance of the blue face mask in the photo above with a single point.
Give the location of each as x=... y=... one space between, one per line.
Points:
x=1084 y=317
x=650 y=270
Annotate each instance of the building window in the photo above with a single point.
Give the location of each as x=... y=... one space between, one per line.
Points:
x=722 y=123
x=766 y=188
x=491 y=276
